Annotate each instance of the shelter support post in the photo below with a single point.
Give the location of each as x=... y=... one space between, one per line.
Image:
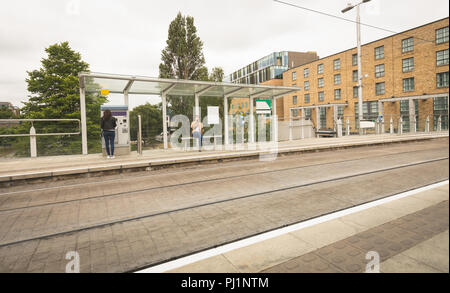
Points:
x=274 y=119
x=251 y=122
x=84 y=146
x=317 y=120
x=197 y=107
x=302 y=124
x=139 y=138
x=225 y=118
x=412 y=116
x=164 y=118
x=126 y=90
x=125 y=98
x=335 y=117
x=290 y=125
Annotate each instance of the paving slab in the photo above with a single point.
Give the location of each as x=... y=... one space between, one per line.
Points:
x=274 y=251
x=387 y=240
x=430 y=256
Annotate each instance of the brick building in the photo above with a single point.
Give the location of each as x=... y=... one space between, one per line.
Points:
x=405 y=74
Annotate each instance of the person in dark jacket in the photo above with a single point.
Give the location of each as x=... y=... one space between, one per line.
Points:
x=108 y=125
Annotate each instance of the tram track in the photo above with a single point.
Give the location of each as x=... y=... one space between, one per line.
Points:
x=317 y=182
x=153 y=188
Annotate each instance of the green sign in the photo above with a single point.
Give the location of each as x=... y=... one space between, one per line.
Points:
x=263 y=106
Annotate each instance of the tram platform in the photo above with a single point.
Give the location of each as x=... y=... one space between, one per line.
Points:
x=18 y=170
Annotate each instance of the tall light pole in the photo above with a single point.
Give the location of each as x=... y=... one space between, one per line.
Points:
x=358 y=38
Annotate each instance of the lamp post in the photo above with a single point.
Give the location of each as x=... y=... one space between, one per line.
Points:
x=358 y=38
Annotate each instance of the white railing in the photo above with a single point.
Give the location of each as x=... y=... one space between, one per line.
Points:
x=33 y=134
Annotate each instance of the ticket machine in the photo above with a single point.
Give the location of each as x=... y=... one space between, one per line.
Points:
x=122 y=140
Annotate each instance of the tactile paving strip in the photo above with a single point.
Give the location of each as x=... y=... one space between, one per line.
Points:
x=349 y=255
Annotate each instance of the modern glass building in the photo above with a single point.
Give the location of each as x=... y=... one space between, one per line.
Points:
x=270 y=67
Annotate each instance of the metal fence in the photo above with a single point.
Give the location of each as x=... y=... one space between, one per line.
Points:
x=397 y=124
x=14 y=133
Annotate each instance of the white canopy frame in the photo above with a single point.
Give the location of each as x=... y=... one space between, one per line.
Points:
x=141 y=85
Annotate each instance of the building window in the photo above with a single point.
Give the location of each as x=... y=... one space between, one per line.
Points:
x=294 y=75
x=442 y=35
x=370 y=111
x=320 y=83
x=442 y=79
x=306 y=85
x=306 y=72
x=379 y=52
x=337 y=79
x=404 y=106
x=407 y=45
x=380 y=88
x=340 y=112
x=246 y=105
x=320 y=69
x=440 y=109
x=307 y=99
x=337 y=64
x=379 y=70
x=408 y=64
x=355 y=75
x=323 y=117
x=321 y=96
x=295 y=112
x=408 y=84
x=355 y=91
x=442 y=57
x=354 y=59
x=307 y=113
x=337 y=94
x=294 y=100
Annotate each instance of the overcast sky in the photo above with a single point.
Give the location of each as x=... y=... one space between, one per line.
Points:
x=127 y=36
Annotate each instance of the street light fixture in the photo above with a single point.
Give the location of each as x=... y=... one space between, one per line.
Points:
x=358 y=33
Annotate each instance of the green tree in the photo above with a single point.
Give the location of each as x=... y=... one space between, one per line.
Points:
x=6 y=113
x=216 y=74
x=183 y=59
x=8 y=145
x=151 y=119
x=183 y=56
x=55 y=94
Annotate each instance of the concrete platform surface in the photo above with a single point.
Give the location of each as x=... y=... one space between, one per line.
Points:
x=411 y=235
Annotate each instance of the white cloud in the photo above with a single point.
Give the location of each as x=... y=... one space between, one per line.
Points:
x=119 y=36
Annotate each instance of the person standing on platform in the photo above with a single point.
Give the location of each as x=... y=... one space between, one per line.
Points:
x=108 y=125
x=197 y=129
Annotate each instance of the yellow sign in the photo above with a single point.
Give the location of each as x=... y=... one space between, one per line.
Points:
x=104 y=92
